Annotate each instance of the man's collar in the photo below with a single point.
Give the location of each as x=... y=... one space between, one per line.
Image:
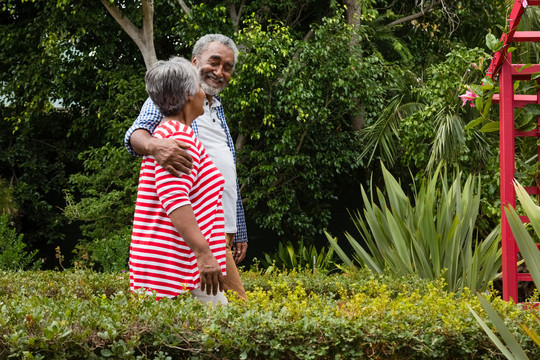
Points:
x=216 y=101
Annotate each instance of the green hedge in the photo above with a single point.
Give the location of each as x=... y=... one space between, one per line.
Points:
x=352 y=315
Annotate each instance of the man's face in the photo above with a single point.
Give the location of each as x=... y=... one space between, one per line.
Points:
x=215 y=66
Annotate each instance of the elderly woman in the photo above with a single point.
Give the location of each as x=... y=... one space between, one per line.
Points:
x=178 y=239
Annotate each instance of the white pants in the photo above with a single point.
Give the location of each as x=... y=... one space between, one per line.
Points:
x=205 y=298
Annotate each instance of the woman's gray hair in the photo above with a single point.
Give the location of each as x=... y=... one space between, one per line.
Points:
x=202 y=44
x=168 y=84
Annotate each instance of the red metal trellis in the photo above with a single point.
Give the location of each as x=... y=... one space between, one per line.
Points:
x=508 y=73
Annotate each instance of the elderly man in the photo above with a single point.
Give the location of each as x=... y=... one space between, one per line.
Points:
x=214 y=56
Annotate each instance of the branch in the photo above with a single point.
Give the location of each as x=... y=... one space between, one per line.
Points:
x=302 y=137
x=240 y=141
x=184 y=7
x=125 y=23
x=144 y=38
x=148 y=22
x=419 y=14
x=235 y=16
x=309 y=35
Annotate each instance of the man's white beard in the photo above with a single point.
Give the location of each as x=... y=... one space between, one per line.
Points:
x=210 y=90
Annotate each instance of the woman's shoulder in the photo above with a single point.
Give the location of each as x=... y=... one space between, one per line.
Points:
x=174 y=129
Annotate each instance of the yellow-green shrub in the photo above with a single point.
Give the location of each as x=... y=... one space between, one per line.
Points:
x=354 y=315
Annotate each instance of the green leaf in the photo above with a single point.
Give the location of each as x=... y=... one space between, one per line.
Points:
x=506 y=335
x=532 y=334
x=487 y=83
x=532 y=108
x=106 y=353
x=491 y=335
x=363 y=255
x=478 y=103
x=526 y=66
x=477 y=89
x=490 y=127
x=525 y=242
x=337 y=248
x=474 y=123
x=492 y=43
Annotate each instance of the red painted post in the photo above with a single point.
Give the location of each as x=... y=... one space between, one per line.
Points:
x=513 y=21
x=538 y=142
x=507 y=164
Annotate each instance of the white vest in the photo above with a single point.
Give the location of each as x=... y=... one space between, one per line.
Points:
x=214 y=140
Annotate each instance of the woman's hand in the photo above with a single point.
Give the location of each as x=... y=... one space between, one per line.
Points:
x=210 y=274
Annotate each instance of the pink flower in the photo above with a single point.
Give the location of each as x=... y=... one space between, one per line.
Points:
x=468 y=96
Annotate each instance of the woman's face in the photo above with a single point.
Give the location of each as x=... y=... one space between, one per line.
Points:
x=196 y=103
x=194 y=107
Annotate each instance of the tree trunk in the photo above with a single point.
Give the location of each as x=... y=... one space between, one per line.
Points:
x=235 y=15
x=143 y=37
x=354 y=11
x=353 y=14
x=240 y=141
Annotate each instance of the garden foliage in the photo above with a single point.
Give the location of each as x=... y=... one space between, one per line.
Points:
x=358 y=315
x=299 y=257
x=512 y=348
x=13 y=253
x=309 y=77
x=430 y=234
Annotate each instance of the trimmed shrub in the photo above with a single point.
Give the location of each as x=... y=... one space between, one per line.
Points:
x=80 y=314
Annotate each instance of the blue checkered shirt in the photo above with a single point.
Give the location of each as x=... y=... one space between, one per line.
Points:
x=150 y=117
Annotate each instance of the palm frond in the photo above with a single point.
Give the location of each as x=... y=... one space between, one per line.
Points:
x=449 y=139
x=381 y=136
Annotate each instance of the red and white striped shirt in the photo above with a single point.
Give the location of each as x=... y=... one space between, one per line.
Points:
x=159 y=259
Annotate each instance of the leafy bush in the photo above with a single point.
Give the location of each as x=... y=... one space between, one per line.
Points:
x=356 y=315
x=429 y=236
x=112 y=253
x=12 y=253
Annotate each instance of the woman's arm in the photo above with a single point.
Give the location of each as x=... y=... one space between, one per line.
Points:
x=210 y=273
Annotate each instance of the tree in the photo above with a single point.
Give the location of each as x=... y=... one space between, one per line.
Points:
x=72 y=83
x=56 y=90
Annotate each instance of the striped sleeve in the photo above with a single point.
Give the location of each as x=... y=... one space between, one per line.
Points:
x=173 y=192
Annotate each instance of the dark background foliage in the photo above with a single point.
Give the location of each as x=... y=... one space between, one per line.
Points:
x=312 y=75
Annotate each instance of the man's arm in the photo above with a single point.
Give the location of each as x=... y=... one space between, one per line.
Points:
x=168 y=153
x=240 y=239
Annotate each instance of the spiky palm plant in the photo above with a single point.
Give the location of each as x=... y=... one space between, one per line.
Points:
x=431 y=235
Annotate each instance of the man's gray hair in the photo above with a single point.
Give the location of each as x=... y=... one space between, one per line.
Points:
x=202 y=44
x=168 y=84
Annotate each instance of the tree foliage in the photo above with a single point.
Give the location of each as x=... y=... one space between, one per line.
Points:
x=311 y=73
